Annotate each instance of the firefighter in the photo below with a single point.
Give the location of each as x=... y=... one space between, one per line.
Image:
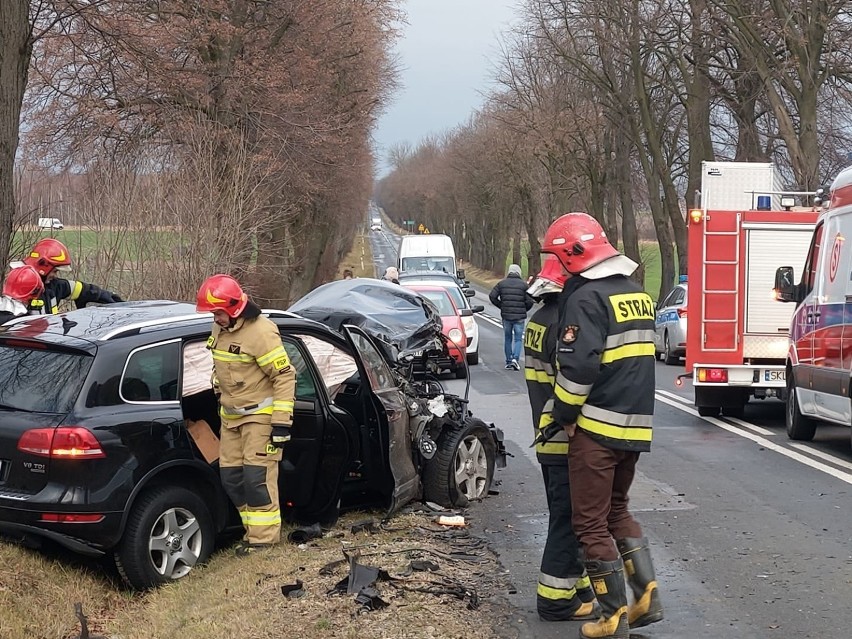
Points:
x=604 y=399
x=256 y=382
x=22 y=286
x=50 y=257
x=564 y=592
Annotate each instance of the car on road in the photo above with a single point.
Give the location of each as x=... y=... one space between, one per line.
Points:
x=460 y=298
x=453 y=329
x=109 y=435
x=670 y=325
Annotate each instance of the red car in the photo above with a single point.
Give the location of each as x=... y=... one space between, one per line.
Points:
x=453 y=328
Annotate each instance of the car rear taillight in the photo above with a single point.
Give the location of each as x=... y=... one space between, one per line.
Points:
x=713 y=375
x=681 y=312
x=65 y=442
x=72 y=518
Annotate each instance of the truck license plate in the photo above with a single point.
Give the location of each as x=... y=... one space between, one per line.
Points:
x=775 y=376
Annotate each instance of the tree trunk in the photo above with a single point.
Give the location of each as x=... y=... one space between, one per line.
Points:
x=15 y=52
x=624 y=186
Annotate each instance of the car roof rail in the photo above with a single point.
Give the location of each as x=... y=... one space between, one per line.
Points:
x=275 y=312
x=138 y=327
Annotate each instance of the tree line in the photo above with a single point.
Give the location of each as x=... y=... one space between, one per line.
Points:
x=610 y=106
x=194 y=137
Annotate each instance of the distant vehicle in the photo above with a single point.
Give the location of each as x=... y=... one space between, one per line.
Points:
x=427 y=253
x=670 y=325
x=453 y=328
x=460 y=298
x=50 y=223
x=376 y=224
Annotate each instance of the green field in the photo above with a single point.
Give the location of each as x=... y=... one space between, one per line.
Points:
x=119 y=244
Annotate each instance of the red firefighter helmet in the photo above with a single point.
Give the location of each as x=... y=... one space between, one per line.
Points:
x=23 y=284
x=49 y=254
x=578 y=241
x=222 y=293
x=550 y=279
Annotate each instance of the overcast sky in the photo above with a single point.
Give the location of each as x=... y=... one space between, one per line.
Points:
x=446 y=54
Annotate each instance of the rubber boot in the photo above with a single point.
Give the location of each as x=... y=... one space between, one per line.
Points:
x=646 y=608
x=608 y=581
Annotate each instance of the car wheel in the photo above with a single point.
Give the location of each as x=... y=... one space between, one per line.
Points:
x=169 y=531
x=473 y=358
x=708 y=411
x=463 y=467
x=461 y=371
x=799 y=427
x=668 y=358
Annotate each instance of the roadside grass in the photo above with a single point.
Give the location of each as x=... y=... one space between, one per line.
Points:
x=359 y=260
x=241 y=597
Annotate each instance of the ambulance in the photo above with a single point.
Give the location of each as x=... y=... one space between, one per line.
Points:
x=819 y=358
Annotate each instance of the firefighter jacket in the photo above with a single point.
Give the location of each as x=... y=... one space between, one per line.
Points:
x=253 y=373
x=10 y=309
x=605 y=362
x=81 y=293
x=540 y=372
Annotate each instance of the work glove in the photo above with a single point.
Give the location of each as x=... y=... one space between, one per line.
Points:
x=116 y=298
x=280 y=435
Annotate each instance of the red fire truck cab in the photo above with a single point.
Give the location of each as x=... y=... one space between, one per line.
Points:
x=737 y=336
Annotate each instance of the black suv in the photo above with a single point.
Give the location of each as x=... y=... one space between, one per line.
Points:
x=101 y=452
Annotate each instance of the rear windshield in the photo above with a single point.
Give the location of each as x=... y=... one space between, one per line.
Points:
x=41 y=381
x=439 y=299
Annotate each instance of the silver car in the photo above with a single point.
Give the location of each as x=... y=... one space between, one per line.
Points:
x=670 y=325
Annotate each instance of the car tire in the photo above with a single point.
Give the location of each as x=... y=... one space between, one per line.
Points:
x=169 y=531
x=473 y=358
x=461 y=371
x=668 y=358
x=463 y=468
x=708 y=411
x=799 y=427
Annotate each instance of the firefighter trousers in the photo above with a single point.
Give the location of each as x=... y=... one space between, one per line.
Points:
x=563 y=585
x=249 y=470
x=600 y=481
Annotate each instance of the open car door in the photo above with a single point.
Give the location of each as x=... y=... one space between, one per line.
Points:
x=395 y=434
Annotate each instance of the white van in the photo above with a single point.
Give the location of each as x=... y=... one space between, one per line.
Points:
x=427 y=253
x=819 y=357
x=50 y=223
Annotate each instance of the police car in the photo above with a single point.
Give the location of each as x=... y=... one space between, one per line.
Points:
x=670 y=324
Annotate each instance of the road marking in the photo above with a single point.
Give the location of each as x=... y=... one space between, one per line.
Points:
x=757 y=429
x=490 y=320
x=807 y=461
x=680 y=398
x=827 y=457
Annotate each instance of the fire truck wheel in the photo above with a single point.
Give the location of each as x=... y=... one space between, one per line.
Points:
x=668 y=358
x=708 y=411
x=799 y=427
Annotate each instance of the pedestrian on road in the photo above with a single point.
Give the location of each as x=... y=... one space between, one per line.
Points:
x=347 y=274
x=391 y=275
x=256 y=386
x=49 y=257
x=22 y=286
x=564 y=591
x=604 y=398
x=510 y=296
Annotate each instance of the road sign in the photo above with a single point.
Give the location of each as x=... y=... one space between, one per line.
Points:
x=409 y=221
x=420 y=228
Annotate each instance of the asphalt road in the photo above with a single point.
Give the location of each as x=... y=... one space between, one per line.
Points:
x=749 y=530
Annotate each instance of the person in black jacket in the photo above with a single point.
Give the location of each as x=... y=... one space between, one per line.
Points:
x=604 y=399
x=510 y=296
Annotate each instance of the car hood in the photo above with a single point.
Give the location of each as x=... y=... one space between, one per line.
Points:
x=403 y=321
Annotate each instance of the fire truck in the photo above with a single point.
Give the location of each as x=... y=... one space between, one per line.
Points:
x=737 y=335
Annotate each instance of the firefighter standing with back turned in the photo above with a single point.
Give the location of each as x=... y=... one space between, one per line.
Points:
x=257 y=384
x=564 y=592
x=604 y=398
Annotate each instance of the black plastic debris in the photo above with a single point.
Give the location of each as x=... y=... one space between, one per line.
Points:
x=368 y=525
x=305 y=534
x=423 y=565
x=369 y=599
x=293 y=591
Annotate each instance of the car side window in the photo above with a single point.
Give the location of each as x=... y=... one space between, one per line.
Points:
x=305 y=386
x=151 y=374
x=678 y=296
x=667 y=300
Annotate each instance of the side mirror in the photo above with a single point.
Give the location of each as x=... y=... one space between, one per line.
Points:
x=468 y=292
x=785 y=289
x=460 y=273
x=477 y=309
x=466 y=312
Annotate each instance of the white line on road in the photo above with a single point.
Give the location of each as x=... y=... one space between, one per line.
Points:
x=807 y=461
x=754 y=427
x=680 y=398
x=490 y=320
x=818 y=453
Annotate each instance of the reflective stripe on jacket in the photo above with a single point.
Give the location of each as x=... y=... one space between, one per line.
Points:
x=539 y=361
x=253 y=372
x=605 y=360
